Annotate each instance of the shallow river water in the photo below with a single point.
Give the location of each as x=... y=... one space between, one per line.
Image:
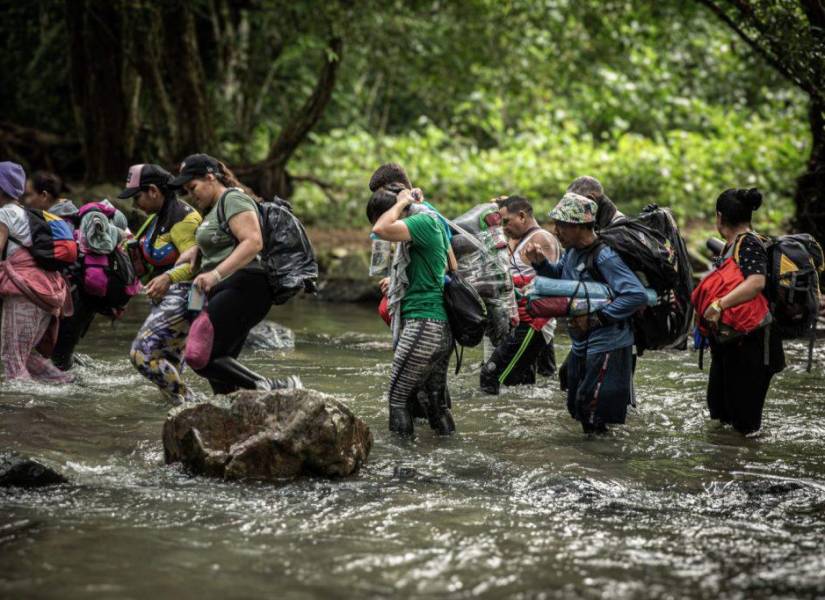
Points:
x=518 y=504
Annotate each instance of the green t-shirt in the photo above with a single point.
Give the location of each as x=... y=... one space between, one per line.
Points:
x=428 y=261
x=216 y=245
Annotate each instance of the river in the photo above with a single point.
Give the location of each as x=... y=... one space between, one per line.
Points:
x=518 y=504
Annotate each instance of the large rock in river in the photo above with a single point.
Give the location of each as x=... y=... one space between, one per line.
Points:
x=267 y=435
x=16 y=470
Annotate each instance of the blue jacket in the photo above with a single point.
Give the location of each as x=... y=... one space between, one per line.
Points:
x=629 y=292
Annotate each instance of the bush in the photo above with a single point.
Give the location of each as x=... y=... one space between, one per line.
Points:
x=685 y=170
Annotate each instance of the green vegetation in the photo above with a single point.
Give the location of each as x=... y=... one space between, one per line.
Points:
x=668 y=102
x=684 y=169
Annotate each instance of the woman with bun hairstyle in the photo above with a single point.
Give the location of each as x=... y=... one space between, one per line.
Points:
x=741 y=367
x=232 y=278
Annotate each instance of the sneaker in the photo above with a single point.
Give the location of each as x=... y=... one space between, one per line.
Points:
x=290 y=382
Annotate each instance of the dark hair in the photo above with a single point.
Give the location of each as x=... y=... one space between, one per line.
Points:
x=587 y=186
x=44 y=181
x=736 y=206
x=389 y=173
x=516 y=204
x=228 y=179
x=382 y=200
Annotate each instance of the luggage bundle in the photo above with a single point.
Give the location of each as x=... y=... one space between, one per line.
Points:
x=53 y=246
x=481 y=251
x=106 y=271
x=653 y=248
x=287 y=256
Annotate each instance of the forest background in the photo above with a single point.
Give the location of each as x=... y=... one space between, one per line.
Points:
x=666 y=102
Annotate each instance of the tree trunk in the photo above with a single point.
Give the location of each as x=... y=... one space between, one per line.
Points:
x=96 y=74
x=270 y=177
x=195 y=129
x=810 y=187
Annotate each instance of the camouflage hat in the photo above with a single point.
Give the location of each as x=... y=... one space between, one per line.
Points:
x=573 y=208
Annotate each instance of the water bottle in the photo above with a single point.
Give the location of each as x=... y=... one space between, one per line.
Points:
x=380 y=259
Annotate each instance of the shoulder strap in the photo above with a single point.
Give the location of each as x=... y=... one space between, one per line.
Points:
x=590 y=259
x=525 y=238
x=221 y=212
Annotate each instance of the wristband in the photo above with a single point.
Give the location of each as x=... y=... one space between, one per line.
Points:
x=217 y=274
x=717 y=304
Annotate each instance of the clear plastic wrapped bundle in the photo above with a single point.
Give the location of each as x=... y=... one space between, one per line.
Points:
x=481 y=250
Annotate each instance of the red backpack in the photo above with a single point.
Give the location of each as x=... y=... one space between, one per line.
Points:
x=737 y=320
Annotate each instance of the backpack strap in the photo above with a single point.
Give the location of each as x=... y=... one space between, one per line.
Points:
x=223 y=224
x=592 y=254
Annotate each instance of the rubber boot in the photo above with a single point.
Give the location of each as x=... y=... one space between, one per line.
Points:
x=417 y=404
x=439 y=416
x=229 y=371
x=400 y=420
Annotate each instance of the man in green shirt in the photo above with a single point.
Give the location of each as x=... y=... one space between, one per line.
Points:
x=422 y=335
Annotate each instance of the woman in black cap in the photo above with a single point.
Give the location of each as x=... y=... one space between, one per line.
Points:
x=231 y=277
x=169 y=231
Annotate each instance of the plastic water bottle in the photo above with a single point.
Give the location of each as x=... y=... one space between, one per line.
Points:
x=380 y=259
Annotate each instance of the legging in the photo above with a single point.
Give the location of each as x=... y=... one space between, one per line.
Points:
x=158 y=347
x=234 y=307
x=421 y=359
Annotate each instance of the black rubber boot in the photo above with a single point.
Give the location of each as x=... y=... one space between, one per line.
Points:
x=438 y=414
x=417 y=404
x=488 y=379
x=400 y=420
x=230 y=372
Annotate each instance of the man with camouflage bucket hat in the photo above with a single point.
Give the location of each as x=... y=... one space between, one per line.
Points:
x=599 y=368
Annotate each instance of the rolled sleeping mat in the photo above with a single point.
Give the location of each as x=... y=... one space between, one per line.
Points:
x=545 y=286
x=549 y=307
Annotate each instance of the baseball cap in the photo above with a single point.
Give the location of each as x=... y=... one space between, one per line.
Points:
x=195 y=165
x=141 y=176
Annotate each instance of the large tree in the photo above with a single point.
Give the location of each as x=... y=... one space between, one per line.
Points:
x=790 y=36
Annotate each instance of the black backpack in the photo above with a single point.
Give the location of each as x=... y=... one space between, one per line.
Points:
x=652 y=247
x=287 y=256
x=466 y=311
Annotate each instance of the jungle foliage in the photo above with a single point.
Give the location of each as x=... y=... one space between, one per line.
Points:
x=668 y=102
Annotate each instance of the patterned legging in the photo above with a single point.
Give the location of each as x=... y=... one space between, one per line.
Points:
x=158 y=347
x=23 y=326
x=421 y=359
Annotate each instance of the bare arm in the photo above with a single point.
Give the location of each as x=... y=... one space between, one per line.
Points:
x=389 y=226
x=4 y=237
x=745 y=291
x=247 y=230
x=548 y=244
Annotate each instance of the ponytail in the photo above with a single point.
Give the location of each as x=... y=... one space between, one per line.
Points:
x=228 y=179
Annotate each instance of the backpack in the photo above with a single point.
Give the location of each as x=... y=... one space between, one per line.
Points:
x=652 y=247
x=106 y=272
x=287 y=256
x=794 y=266
x=466 y=311
x=53 y=246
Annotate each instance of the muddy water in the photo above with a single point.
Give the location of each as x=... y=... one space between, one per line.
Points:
x=518 y=504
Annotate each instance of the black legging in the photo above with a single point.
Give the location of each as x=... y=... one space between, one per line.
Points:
x=217 y=335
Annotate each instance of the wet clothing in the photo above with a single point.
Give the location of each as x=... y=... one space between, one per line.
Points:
x=741 y=369
x=424 y=298
x=420 y=363
x=233 y=308
x=514 y=361
x=600 y=387
x=630 y=296
x=157 y=350
x=33 y=302
x=216 y=244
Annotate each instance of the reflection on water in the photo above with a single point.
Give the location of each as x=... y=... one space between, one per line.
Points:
x=519 y=503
